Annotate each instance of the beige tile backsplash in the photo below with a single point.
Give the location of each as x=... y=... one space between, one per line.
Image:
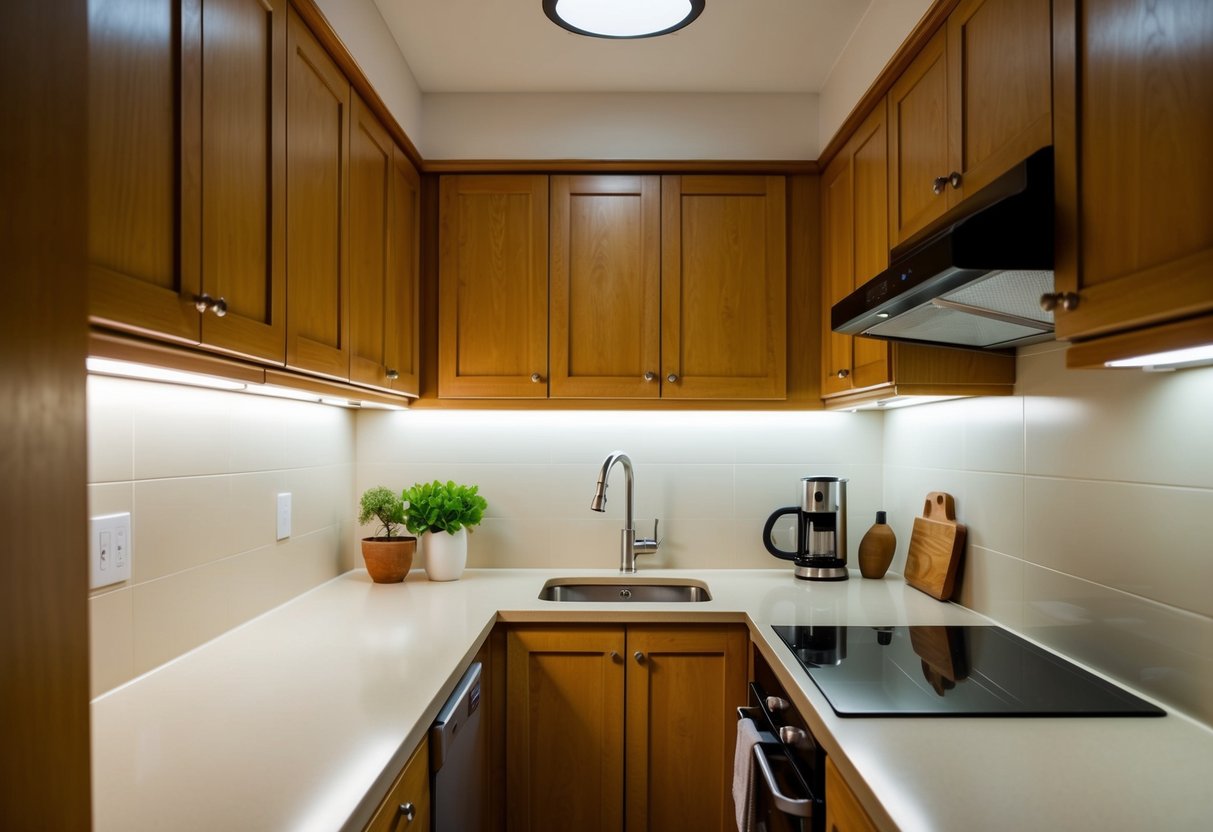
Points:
x=1088 y=497
x=1089 y=502
x=200 y=470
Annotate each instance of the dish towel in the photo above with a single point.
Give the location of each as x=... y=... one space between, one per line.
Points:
x=743 y=774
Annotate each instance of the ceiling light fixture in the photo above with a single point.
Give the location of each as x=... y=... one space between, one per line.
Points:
x=621 y=19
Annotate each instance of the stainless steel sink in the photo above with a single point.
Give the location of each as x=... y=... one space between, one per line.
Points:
x=658 y=590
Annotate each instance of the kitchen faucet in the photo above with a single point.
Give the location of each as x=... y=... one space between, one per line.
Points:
x=629 y=546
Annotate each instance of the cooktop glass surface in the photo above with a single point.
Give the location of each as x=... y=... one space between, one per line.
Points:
x=950 y=671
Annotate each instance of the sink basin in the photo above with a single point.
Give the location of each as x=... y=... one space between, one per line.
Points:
x=659 y=590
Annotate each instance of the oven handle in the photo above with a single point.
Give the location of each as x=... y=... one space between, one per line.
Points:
x=788 y=805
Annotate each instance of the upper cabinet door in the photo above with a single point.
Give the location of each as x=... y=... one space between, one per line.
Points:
x=403 y=334
x=143 y=111
x=918 y=142
x=837 y=265
x=493 y=286
x=1134 y=169
x=999 y=88
x=605 y=321
x=243 y=176
x=318 y=105
x=723 y=293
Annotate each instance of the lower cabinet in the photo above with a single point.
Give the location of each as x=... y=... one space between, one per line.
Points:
x=407 y=805
x=843 y=810
x=613 y=727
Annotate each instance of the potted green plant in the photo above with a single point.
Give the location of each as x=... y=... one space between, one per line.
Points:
x=389 y=554
x=441 y=515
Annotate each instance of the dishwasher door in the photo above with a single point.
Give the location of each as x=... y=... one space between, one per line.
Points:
x=459 y=760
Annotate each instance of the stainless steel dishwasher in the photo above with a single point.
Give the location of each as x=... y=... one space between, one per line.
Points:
x=459 y=760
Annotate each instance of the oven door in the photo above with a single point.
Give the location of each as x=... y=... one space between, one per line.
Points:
x=789 y=767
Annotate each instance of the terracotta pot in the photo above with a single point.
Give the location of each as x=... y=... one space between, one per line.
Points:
x=446 y=554
x=388 y=559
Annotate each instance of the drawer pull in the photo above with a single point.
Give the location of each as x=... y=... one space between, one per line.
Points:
x=408 y=810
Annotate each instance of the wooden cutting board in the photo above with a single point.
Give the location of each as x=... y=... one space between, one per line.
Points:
x=936 y=547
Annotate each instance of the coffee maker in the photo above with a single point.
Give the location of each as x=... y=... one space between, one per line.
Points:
x=821 y=530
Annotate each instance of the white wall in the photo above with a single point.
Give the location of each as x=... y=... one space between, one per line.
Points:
x=1088 y=498
x=712 y=478
x=876 y=38
x=200 y=471
x=361 y=28
x=619 y=126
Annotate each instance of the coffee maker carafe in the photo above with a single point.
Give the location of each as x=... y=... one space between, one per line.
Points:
x=821 y=530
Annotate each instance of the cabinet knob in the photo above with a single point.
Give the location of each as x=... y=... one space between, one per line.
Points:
x=843 y=373
x=672 y=377
x=939 y=184
x=955 y=180
x=639 y=657
x=203 y=302
x=650 y=376
x=536 y=378
x=392 y=375
x=219 y=307
x=408 y=810
x=1066 y=300
x=614 y=656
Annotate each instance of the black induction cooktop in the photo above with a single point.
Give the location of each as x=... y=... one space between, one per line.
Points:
x=950 y=671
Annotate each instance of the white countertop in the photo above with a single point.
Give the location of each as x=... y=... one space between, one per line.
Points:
x=301 y=718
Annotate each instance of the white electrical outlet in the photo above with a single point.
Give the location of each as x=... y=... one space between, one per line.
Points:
x=109 y=550
x=284 y=516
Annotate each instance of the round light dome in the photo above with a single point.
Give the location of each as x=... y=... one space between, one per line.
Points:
x=622 y=18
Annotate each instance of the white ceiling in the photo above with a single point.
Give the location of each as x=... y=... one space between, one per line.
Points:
x=738 y=46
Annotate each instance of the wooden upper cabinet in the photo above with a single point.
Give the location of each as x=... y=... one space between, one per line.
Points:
x=243 y=176
x=684 y=685
x=918 y=141
x=404 y=269
x=493 y=286
x=143 y=115
x=724 y=277
x=999 y=88
x=974 y=102
x=384 y=229
x=565 y=728
x=1134 y=172
x=317 y=225
x=605 y=321
x=854 y=250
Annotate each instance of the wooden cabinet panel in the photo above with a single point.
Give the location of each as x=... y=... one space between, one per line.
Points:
x=999 y=87
x=724 y=264
x=403 y=334
x=384 y=228
x=855 y=249
x=565 y=728
x=243 y=166
x=493 y=286
x=683 y=690
x=605 y=322
x=1134 y=86
x=844 y=813
x=143 y=114
x=412 y=788
x=918 y=141
x=317 y=227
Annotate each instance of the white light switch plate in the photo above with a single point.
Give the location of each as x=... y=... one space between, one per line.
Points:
x=109 y=550
x=284 y=516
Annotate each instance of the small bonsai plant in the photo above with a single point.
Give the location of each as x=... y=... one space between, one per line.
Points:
x=384 y=505
x=437 y=507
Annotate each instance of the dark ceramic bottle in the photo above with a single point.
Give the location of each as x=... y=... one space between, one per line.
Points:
x=876 y=549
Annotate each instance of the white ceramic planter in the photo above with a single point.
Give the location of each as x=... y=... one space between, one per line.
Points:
x=445 y=554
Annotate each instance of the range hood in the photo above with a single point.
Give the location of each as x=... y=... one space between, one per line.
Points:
x=973 y=278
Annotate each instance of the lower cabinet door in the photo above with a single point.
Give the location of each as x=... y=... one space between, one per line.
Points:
x=843 y=810
x=564 y=728
x=407 y=806
x=684 y=685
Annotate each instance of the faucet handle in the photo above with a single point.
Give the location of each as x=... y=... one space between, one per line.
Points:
x=648 y=545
